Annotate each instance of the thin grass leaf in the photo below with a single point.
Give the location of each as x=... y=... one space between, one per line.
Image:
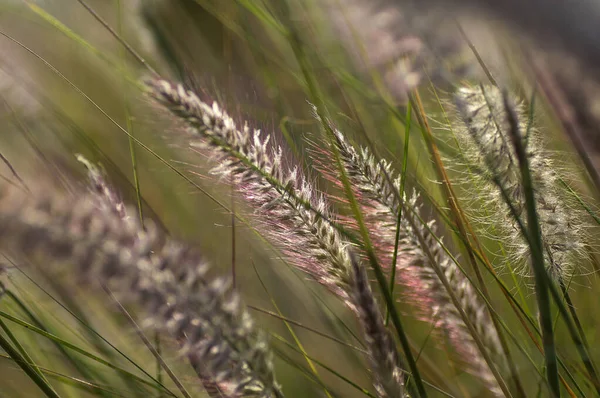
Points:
x=65 y=344
x=29 y=369
x=294 y=336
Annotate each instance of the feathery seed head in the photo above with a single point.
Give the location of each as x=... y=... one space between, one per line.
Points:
x=403 y=43
x=293 y=213
x=487 y=143
x=105 y=193
x=384 y=358
x=166 y=278
x=378 y=192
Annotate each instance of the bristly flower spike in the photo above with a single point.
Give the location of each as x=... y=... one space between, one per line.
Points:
x=377 y=189
x=487 y=144
x=165 y=277
x=295 y=215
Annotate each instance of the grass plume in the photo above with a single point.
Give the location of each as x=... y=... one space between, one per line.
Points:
x=385 y=362
x=487 y=144
x=165 y=277
x=378 y=191
x=386 y=69
x=297 y=216
x=101 y=189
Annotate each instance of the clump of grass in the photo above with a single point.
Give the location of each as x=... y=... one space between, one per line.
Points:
x=398 y=47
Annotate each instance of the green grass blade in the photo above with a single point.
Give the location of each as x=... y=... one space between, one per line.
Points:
x=312 y=367
x=537 y=256
x=401 y=193
x=27 y=367
x=80 y=350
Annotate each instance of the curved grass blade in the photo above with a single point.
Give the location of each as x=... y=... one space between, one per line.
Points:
x=83 y=369
x=294 y=336
x=537 y=256
x=27 y=367
x=81 y=351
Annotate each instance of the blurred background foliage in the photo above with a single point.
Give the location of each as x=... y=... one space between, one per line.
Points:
x=68 y=86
